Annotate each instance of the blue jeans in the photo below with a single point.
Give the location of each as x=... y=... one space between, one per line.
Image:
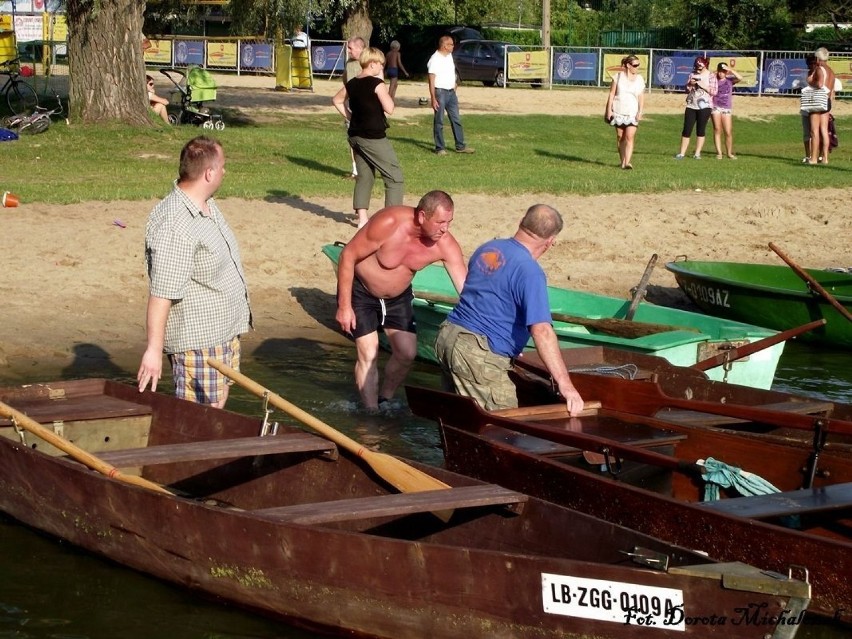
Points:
x=449 y=102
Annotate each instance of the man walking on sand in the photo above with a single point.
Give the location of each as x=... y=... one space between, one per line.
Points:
x=442 y=90
x=374 y=291
x=198 y=304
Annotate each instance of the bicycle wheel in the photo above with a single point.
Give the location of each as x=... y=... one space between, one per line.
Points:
x=11 y=121
x=36 y=124
x=21 y=97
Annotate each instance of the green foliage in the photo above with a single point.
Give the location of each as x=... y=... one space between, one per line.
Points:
x=173 y=16
x=829 y=34
x=735 y=24
x=305 y=156
x=273 y=18
x=633 y=14
x=528 y=37
x=832 y=11
x=389 y=15
x=829 y=37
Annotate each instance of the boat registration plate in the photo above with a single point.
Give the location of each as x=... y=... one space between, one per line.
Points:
x=614 y=601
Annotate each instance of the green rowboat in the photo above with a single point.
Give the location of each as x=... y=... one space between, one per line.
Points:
x=587 y=319
x=769 y=295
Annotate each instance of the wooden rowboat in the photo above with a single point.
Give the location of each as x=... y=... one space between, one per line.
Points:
x=587 y=319
x=642 y=472
x=769 y=295
x=291 y=526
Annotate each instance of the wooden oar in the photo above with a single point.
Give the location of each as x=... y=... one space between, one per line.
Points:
x=753 y=347
x=639 y=293
x=610 y=326
x=466 y=413
x=646 y=398
x=394 y=471
x=815 y=286
x=75 y=452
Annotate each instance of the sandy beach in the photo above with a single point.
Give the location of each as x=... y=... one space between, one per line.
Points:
x=74 y=288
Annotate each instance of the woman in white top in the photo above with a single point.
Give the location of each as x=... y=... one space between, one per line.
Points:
x=625 y=106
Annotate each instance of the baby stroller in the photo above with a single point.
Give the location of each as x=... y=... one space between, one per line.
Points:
x=192 y=89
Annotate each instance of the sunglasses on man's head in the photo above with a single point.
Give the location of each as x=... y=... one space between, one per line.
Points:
x=635 y=65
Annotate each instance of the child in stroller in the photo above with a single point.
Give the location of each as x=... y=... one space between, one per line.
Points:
x=193 y=88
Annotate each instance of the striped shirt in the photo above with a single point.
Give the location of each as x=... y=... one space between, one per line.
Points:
x=193 y=260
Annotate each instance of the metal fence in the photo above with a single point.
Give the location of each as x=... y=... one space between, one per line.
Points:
x=763 y=72
x=253 y=55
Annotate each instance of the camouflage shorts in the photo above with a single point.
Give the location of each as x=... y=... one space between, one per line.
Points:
x=473 y=369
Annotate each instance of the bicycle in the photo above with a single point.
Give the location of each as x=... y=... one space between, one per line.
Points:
x=36 y=122
x=20 y=96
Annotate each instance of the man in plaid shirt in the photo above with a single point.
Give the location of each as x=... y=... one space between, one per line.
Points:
x=198 y=304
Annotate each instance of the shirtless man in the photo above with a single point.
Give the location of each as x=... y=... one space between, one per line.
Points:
x=374 y=286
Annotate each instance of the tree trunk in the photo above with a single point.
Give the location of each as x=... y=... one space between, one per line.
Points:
x=106 y=68
x=357 y=22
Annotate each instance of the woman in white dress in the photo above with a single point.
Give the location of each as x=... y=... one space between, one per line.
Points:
x=625 y=107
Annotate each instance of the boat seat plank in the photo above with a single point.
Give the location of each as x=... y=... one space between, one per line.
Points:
x=697 y=418
x=218 y=449
x=78 y=408
x=637 y=435
x=396 y=504
x=795 y=502
x=547 y=411
x=527 y=443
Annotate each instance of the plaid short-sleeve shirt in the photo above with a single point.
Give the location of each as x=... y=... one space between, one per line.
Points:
x=193 y=260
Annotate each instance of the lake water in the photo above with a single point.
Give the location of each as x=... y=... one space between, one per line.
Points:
x=49 y=590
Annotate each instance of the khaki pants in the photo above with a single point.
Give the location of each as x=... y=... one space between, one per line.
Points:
x=471 y=369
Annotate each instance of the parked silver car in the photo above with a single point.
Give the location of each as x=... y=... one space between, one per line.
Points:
x=482 y=60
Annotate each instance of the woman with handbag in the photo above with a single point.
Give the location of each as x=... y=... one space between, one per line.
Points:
x=816 y=100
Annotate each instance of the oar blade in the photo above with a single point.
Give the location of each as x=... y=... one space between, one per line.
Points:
x=404 y=477
x=396 y=472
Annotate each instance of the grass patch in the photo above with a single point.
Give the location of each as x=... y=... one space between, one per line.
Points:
x=305 y=156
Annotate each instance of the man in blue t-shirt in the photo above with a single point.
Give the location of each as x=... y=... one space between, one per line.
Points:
x=503 y=303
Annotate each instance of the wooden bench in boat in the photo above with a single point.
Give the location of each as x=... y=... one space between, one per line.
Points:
x=795 y=502
x=81 y=412
x=697 y=418
x=396 y=504
x=556 y=415
x=73 y=409
x=219 y=449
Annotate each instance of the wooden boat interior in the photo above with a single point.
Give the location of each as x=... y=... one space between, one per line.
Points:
x=534 y=387
x=217 y=459
x=659 y=456
x=827 y=498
